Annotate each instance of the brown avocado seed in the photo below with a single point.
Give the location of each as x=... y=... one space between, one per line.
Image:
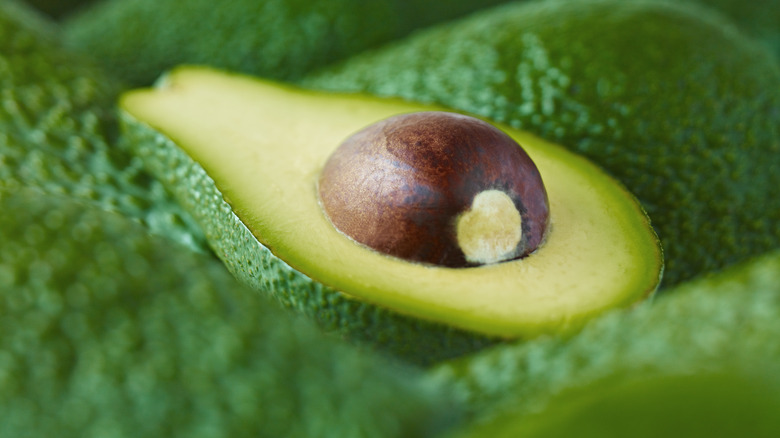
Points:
x=436 y=187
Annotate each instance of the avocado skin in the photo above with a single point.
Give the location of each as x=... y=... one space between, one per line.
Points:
x=59 y=130
x=670 y=99
x=110 y=331
x=726 y=404
x=727 y=322
x=411 y=339
x=760 y=19
x=59 y=8
x=279 y=39
x=139 y=40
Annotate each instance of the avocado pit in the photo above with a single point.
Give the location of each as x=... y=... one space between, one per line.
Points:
x=437 y=188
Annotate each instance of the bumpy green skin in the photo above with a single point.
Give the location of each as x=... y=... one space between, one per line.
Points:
x=108 y=331
x=58 y=129
x=409 y=338
x=671 y=100
x=281 y=39
x=727 y=404
x=728 y=322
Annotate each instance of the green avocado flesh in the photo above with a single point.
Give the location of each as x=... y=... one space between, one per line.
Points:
x=264 y=145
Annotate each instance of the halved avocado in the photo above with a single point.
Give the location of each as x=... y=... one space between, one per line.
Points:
x=262 y=147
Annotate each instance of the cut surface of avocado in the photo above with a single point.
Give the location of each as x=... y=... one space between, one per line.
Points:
x=264 y=145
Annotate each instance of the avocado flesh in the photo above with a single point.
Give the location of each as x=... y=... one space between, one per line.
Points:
x=264 y=144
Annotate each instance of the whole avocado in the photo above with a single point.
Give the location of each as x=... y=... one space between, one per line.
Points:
x=671 y=99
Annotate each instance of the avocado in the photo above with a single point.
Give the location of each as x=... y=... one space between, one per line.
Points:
x=758 y=19
x=725 y=404
x=281 y=39
x=724 y=323
x=110 y=331
x=244 y=155
x=672 y=100
x=58 y=129
x=59 y=8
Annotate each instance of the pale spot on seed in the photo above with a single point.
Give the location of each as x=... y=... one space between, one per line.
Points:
x=491 y=229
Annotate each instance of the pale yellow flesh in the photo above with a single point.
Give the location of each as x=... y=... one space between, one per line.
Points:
x=264 y=146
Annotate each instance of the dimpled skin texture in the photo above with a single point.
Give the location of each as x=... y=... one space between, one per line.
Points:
x=724 y=322
x=671 y=100
x=108 y=331
x=58 y=131
x=281 y=39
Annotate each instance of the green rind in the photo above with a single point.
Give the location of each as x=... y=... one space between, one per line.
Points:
x=412 y=339
x=281 y=39
x=58 y=129
x=108 y=331
x=728 y=321
x=670 y=99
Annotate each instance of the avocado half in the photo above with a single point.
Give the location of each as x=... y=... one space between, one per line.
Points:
x=244 y=156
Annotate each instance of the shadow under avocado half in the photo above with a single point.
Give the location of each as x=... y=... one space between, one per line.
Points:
x=244 y=156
